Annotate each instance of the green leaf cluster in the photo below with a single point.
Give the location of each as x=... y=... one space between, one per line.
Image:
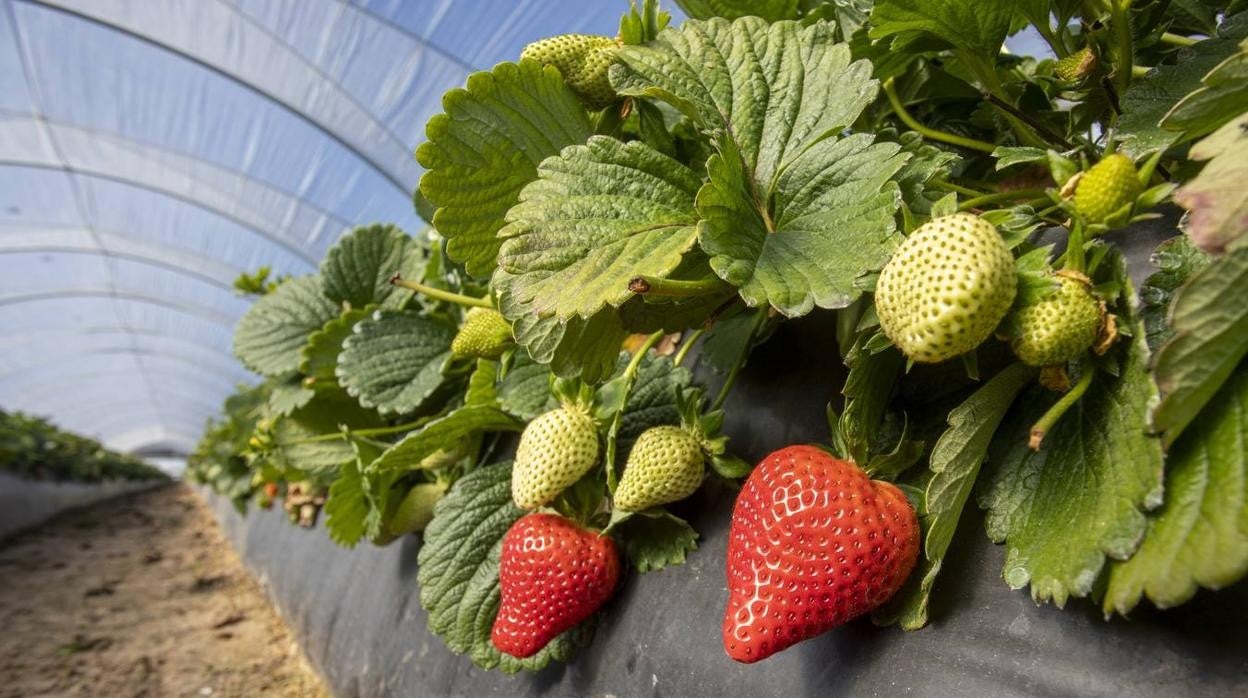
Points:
x=762 y=162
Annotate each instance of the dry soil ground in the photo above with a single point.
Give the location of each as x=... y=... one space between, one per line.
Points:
x=139 y=596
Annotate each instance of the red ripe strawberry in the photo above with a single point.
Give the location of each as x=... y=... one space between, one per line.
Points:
x=814 y=543
x=552 y=574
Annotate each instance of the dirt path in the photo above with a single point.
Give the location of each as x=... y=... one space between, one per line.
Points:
x=139 y=596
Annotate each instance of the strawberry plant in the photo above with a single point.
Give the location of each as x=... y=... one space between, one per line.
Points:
x=606 y=210
x=31 y=447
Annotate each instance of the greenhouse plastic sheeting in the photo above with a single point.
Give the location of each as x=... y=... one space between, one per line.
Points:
x=151 y=151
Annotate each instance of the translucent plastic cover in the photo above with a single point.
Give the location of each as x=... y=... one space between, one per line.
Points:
x=151 y=151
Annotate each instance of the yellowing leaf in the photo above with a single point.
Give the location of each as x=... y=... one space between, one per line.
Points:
x=1216 y=198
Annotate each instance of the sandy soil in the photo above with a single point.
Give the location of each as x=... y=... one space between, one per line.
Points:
x=139 y=596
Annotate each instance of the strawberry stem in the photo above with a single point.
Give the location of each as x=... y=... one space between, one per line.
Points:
x=1120 y=43
x=1073 y=258
x=440 y=294
x=627 y=378
x=1054 y=413
x=687 y=344
x=673 y=288
x=759 y=318
x=999 y=196
x=630 y=372
x=1021 y=116
x=950 y=186
x=377 y=431
x=928 y=132
x=1176 y=40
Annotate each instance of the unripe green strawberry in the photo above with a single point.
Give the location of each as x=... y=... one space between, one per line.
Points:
x=485 y=334
x=583 y=60
x=416 y=510
x=946 y=288
x=1076 y=66
x=1106 y=187
x=1060 y=327
x=665 y=465
x=555 y=450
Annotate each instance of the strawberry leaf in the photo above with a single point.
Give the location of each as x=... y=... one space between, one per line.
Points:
x=319 y=357
x=486 y=147
x=440 y=433
x=868 y=389
x=357 y=269
x=271 y=334
x=1177 y=260
x=1222 y=97
x=652 y=401
x=483 y=385
x=833 y=221
x=289 y=395
x=1149 y=99
x=346 y=507
x=357 y=502
x=792 y=214
x=1210 y=339
x=300 y=441
x=393 y=360
x=1217 y=202
x=1199 y=536
x=524 y=391
x=654 y=539
x=770 y=10
x=1008 y=156
x=925 y=163
x=578 y=347
x=1081 y=497
x=458 y=571
x=954 y=466
x=976 y=27
x=596 y=217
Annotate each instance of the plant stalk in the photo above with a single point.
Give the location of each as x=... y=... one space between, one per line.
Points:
x=996 y=197
x=628 y=377
x=376 y=431
x=935 y=134
x=1177 y=40
x=673 y=288
x=1120 y=31
x=441 y=295
x=731 y=379
x=687 y=344
x=1073 y=258
x=1054 y=413
x=1019 y=114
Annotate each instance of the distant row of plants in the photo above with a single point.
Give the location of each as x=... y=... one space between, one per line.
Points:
x=33 y=448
